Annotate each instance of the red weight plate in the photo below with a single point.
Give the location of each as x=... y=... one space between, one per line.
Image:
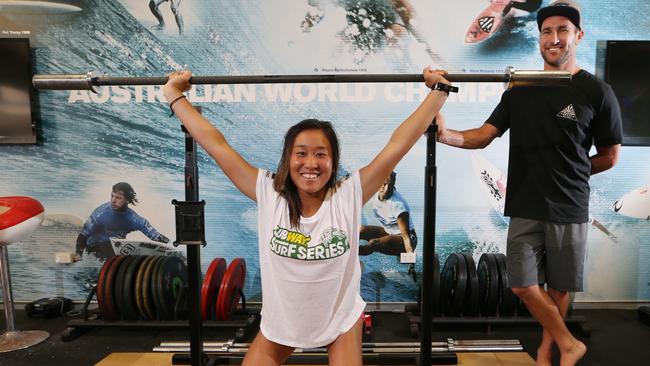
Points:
x=233 y=281
x=210 y=287
x=109 y=293
x=101 y=283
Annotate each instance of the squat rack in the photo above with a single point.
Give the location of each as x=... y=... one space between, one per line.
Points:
x=511 y=78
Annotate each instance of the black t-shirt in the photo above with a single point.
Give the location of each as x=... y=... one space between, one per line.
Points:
x=552 y=130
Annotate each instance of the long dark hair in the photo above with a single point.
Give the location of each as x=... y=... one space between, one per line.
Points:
x=282 y=182
x=127 y=190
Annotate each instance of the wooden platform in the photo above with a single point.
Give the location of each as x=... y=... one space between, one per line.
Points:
x=464 y=359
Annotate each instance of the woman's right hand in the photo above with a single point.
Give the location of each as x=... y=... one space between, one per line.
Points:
x=178 y=82
x=431 y=77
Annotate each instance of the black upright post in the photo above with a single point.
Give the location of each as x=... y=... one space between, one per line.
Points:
x=193 y=256
x=429 y=248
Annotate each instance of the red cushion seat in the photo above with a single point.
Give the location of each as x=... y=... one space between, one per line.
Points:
x=20 y=209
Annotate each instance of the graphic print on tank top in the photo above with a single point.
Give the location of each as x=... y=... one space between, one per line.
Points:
x=293 y=244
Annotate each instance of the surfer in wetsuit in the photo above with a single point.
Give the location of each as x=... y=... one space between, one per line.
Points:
x=113 y=219
x=154 y=6
x=396 y=234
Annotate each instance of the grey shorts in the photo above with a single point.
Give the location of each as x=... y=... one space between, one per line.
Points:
x=541 y=252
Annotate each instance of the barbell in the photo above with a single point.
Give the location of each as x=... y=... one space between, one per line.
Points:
x=511 y=77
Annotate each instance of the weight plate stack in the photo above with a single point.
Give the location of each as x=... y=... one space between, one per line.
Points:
x=454 y=282
x=488 y=284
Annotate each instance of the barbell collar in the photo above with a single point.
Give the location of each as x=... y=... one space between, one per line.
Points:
x=87 y=81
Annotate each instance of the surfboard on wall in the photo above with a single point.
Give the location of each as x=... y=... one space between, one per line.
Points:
x=634 y=204
x=36 y=7
x=493 y=185
x=486 y=23
x=139 y=247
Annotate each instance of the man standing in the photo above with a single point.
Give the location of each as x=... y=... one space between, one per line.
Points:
x=113 y=219
x=551 y=133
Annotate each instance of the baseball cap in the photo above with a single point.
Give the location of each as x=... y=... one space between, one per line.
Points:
x=563 y=8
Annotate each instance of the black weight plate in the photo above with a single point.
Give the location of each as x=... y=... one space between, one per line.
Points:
x=471 y=305
x=130 y=311
x=522 y=310
x=508 y=300
x=454 y=283
x=118 y=287
x=437 y=302
x=109 y=289
x=170 y=279
x=139 y=297
x=148 y=301
x=232 y=283
x=488 y=284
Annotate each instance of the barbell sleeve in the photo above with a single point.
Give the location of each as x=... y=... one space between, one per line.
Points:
x=512 y=78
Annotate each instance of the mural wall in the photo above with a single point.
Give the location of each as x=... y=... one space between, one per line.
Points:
x=90 y=141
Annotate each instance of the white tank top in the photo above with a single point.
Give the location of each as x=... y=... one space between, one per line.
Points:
x=310 y=275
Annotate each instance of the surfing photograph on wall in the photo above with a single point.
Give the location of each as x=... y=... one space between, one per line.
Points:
x=109 y=162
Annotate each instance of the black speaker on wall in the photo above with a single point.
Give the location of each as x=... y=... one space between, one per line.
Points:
x=16 y=123
x=627 y=70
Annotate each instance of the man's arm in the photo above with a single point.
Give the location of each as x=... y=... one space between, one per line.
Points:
x=605 y=158
x=80 y=246
x=475 y=138
x=403 y=223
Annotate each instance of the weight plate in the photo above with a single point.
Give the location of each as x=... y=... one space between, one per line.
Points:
x=147 y=288
x=210 y=287
x=454 y=283
x=508 y=300
x=522 y=310
x=488 y=284
x=101 y=284
x=130 y=311
x=118 y=288
x=139 y=297
x=233 y=281
x=471 y=305
x=109 y=288
x=170 y=279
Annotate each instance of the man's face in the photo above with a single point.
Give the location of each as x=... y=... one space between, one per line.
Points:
x=386 y=189
x=558 y=41
x=118 y=200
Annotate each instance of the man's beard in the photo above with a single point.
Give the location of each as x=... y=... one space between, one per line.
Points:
x=560 y=60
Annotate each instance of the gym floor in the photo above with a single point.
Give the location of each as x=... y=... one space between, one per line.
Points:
x=616 y=337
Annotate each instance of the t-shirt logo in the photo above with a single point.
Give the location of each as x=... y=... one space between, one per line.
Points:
x=569 y=113
x=292 y=244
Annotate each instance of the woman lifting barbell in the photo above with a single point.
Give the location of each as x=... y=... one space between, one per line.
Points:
x=308 y=224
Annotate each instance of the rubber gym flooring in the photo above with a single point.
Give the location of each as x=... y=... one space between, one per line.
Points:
x=616 y=337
